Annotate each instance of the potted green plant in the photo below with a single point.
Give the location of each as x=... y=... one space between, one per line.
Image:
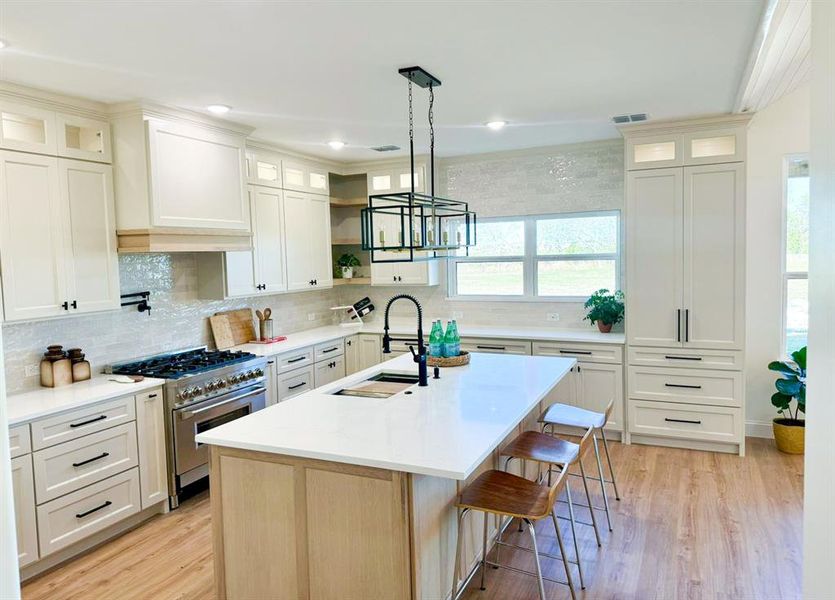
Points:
x=605 y=309
x=346 y=264
x=789 y=429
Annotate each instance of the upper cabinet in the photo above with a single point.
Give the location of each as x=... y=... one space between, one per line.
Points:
x=27 y=128
x=57 y=237
x=305 y=177
x=180 y=185
x=84 y=138
x=263 y=168
x=698 y=146
x=395 y=180
x=308 y=241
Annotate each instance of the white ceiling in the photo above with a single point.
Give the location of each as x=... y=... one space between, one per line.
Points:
x=306 y=73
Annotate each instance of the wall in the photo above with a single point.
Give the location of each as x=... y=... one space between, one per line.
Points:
x=178 y=319
x=773 y=133
x=569 y=178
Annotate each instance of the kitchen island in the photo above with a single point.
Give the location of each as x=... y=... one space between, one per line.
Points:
x=329 y=496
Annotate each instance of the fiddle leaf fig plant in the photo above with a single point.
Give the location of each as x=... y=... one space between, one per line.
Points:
x=605 y=306
x=791 y=386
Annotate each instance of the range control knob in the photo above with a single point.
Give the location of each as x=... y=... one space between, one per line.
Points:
x=250 y=374
x=258 y=372
x=211 y=386
x=221 y=383
x=195 y=391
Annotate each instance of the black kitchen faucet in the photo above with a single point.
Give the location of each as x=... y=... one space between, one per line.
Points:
x=419 y=356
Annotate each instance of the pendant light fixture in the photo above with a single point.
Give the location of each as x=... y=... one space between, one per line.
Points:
x=410 y=226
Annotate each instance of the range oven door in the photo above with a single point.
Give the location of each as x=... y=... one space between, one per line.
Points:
x=197 y=418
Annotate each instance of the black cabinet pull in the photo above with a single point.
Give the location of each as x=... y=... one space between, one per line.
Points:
x=65 y=305
x=394 y=277
x=334 y=349
x=298 y=385
x=295 y=360
x=491 y=347
x=348 y=342
x=686 y=324
x=315 y=282
x=586 y=352
x=310 y=282
x=152 y=395
x=682 y=421
x=99 y=418
x=681 y=385
x=92 y=510
x=678 y=325
x=74 y=304
x=94 y=459
x=683 y=357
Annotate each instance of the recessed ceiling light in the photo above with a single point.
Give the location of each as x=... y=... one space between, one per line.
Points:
x=218 y=109
x=496 y=125
x=336 y=144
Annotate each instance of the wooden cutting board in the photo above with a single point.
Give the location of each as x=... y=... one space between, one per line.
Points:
x=232 y=328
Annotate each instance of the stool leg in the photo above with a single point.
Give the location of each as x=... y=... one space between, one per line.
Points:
x=573 y=531
x=536 y=558
x=609 y=460
x=588 y=497
x=565 y=557
x=484 y=552
x=602 y=481
x=499 y=536
x=458 y=553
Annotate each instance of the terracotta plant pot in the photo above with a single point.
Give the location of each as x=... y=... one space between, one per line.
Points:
x=604 y=327
x=790 y=435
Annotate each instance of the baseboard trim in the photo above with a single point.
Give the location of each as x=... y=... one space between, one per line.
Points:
x=759 y=429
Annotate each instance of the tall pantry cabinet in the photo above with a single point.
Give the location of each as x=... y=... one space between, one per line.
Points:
x=685 y=282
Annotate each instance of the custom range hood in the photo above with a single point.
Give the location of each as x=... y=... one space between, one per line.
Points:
x=409 y=226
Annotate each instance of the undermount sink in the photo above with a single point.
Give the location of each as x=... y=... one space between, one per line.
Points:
x=381 y=385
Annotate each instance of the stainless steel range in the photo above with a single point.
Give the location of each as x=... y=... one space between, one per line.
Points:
x=205 y=389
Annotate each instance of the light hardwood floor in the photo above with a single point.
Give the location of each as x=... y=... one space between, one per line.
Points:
x=690 y=525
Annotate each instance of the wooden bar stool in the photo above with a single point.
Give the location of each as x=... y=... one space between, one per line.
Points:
x=571 y=416
x=507 y=495
x=550 y=450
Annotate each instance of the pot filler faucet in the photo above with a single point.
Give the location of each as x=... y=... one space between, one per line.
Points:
x=419 y=356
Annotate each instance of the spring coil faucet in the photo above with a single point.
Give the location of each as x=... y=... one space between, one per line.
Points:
x=419 y=356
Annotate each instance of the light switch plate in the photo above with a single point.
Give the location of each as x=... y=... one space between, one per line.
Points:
x=311 y=316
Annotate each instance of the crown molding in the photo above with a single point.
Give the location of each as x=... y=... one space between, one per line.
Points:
x=685 y=125
x=53 y=101
x=144 y=109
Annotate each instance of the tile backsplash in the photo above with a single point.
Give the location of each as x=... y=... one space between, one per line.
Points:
x=178 y=319
x=569 y=178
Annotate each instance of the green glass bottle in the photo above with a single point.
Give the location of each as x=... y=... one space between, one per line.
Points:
x=436 y=339
x=449 y=340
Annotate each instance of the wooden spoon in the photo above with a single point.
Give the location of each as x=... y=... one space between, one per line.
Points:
x=267 y=313
x=260 y=315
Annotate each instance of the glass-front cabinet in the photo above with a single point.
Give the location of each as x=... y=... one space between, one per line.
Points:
x=27 y=128
x=80 y=137
x=701 y=147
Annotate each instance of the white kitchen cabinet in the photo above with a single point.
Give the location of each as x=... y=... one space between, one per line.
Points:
x=57 y=237
x=305 y=177
x=685 y=257
x=352 y=354
x=370 y=350
x=295 y=382
x=654 y=152
x=150 y=430
x=23 y=492
x=263 y=167
x=495 y=346
x=308 y=241
x=695 y=146
x=27 y=128
x=329 y=370
x=405 y=273
x=272 y=382
x=395 y=179
x=83 y=138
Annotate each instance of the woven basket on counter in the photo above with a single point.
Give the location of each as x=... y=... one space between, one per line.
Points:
x=449 y=361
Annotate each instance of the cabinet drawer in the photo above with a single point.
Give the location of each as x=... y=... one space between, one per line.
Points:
x=19 y=441
x=76 y=423
x=494 y=346
x=83 y=513
x=294 y=360
x=693 y=386
x=598 y=353
x=67 y=467
x=686 y=358
x=295 y=382
x=328 y=350
x=668 y=419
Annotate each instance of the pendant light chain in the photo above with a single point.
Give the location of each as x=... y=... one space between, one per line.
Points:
x=431 y=119
x=411 y=116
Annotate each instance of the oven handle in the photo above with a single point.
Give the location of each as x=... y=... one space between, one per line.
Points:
x=187 y=414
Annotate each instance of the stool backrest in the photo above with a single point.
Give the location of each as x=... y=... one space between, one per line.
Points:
x=609 y=410
x=585 y=443
x=556 y=488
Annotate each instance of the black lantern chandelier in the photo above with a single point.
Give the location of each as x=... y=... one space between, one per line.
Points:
x=409 y=226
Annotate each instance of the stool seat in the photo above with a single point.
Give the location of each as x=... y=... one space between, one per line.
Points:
x=533 y=445
x=507 y=494
x=572 y=416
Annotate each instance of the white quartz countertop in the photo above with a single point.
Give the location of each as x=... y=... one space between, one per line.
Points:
x=319 y=335
x=44 y=402
x=445 y=429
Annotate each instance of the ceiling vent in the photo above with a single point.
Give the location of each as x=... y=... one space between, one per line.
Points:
x=636 y=118
x=388 y=148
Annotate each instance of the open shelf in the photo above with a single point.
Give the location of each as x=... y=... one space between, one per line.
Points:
x=346 y=242
x=353 y=281
x=362 y=201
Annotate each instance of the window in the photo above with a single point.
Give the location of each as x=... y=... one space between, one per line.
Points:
x=565 y=256
x=796 y=254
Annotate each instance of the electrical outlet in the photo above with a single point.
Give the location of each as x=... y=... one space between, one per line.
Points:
x=311 y=316
x=32 y=370
x=457 y=314
x=553 y=316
